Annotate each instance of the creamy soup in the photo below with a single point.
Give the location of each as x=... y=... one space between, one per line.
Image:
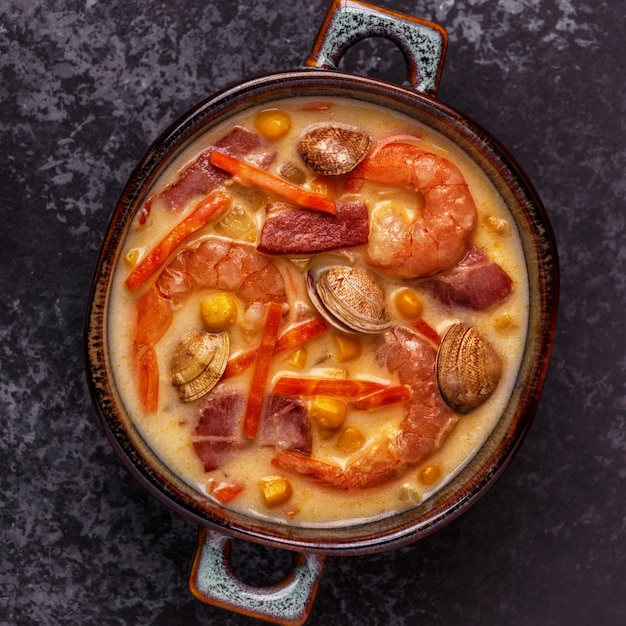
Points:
x=279 y=413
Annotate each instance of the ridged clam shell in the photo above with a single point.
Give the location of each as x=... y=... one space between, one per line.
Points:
x=468 y=368
x=351 y=299
x=333 y=149
x=198 y=363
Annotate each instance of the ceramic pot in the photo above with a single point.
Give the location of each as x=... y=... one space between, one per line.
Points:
x=212 y=578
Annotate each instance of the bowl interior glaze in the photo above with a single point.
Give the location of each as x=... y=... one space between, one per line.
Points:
x=480 y=473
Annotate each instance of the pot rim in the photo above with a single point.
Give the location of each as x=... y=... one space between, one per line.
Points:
x=494 y=456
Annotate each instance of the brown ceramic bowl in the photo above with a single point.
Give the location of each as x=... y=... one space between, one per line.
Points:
x=212 y=579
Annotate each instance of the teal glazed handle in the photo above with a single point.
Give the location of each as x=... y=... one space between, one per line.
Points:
x=288 y=603
x=422 y=43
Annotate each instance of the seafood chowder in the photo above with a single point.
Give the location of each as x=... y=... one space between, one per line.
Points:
x=319 y=312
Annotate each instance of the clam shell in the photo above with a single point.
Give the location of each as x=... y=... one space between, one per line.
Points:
x=351 y=299
x=198 y=363
x=468 y=368
x=333 y=149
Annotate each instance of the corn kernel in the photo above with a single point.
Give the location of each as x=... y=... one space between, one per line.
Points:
x=131 y=257
x=350 y=440
x=430 y=475
x=272 y=123
x=275 y=490
x=298 y=359
x=328 y=412
x=505 y=323
x=409 y=304
x=348 y=348
x=219 y=310
x=499 y=226
x=409 y=494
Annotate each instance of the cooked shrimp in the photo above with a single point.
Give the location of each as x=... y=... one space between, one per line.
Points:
x=208 y=263
x=426 y=424
x=415 y=243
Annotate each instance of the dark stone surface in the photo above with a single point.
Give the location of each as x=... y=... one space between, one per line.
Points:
x=85 y=86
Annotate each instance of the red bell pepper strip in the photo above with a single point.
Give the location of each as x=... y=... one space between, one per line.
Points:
x=298 y=335
x=291 y=385
x=384 y=397
x=427 y=330
x=225 y=491
x=256 y=176
x=261 y=370
x=209 y=209
x=291 y=338
x=239 y=363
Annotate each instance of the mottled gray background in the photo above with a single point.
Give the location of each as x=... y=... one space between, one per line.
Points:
x=84 y=88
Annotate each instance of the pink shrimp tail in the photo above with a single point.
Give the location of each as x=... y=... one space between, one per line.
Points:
x=292 y=462
x=153 y=315
x=377 y=466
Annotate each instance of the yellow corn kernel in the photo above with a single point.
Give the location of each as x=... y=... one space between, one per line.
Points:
x=298 y=359
x=409 y=304
x=505 y=323
x=275 y=490
x=350 y=440
x=499 y=226
x=409 y=494
x=430 y=475
x=347 y=348
x=219 y=310
x=328 y=412
x=272 y=123
x=131 y=257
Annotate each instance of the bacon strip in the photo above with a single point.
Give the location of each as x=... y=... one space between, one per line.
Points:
x=218 y=433
x=476 y=283
x=284 y=425
x=202 y=177
x=288 y=230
